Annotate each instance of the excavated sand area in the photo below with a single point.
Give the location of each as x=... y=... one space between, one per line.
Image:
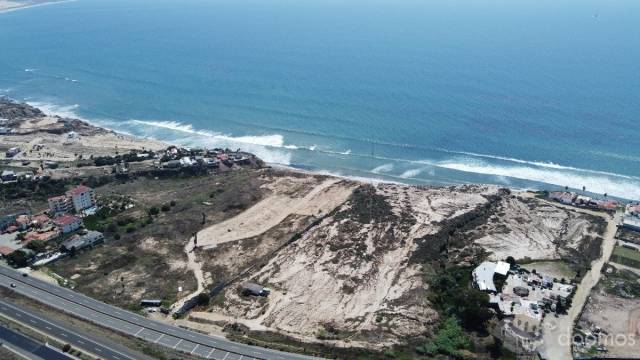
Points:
x=289 y=196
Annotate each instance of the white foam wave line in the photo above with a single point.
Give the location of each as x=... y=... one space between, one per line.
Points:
x=596 y=184
x=275 y=140
x=68 y=111
x=383 y=169
x=412 y=173
x=542 y=164
x=257 y=145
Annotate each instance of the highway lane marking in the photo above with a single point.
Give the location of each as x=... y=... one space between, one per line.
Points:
x=194 y=349
x=32 y=321
x=210 y=352
x=240 y=357
x=81 y=342
x=139 y=331
x=48 y=328
x=225 y=356
x=77 y=335
x=176 y=345
x=96 y=349
x=62 y=296
x=158 y=339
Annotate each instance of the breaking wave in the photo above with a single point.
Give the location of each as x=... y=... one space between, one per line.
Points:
x=273 y=148
x=262 y=145
x=412 y=173
x=65 y=111
x=612 y=184
x=383 y=169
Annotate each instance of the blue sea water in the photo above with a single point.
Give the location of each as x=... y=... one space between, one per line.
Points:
x=536 y=94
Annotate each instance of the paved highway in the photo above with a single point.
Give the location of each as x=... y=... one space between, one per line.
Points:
x=89 y=343
x=28 y=347
x=133 y=324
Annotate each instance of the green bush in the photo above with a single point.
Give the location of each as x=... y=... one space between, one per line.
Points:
x=165 y=207
x=154 y=210
x=453 y=294
x=449 y=340
x=37 y=245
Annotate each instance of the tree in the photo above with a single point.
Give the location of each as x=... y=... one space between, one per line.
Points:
x=18 y=258
x=66 y=348
x=37 y=245
x=154 y=210
x=203 y=298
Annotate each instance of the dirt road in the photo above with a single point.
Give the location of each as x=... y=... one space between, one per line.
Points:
x=558 y=331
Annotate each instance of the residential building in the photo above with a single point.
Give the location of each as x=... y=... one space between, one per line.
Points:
x=59 y=205
x=631 y=222
x=91 y=238
x=68 y=223
x=564 y=197
x=41 y=235
x=40 y=221
x=23 y=222
x=484 y=273
x=82 y=197
x=5 y=250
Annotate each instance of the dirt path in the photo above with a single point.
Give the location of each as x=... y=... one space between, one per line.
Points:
x=558 y=331
x=272 y=210
x=196 y=268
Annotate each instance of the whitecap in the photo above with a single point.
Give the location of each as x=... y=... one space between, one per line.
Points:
x=411 y=173
x=614 y=185
x=383 y=169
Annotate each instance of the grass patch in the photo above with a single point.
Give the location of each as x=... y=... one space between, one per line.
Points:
x=626 y=257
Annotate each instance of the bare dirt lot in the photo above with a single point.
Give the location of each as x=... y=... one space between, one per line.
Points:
x=613 y=310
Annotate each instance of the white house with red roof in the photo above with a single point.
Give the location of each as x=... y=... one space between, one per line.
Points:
x=68 y=223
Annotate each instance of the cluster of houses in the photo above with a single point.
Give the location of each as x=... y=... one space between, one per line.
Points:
x=575 y=199
x=175 y=157
x=62 y=220
x=522 y=300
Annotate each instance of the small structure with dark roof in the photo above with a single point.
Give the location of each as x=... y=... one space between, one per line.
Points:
x=254 y=289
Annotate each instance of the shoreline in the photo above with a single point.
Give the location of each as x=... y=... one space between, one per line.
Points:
x=5 y=6
x=123 y=140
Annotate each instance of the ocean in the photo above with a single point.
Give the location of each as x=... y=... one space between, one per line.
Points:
x=527 y=94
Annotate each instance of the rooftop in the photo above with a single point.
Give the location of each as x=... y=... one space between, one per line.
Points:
x=5 y=250
x=483 y=274
x=66 y=220
x=79 y=190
